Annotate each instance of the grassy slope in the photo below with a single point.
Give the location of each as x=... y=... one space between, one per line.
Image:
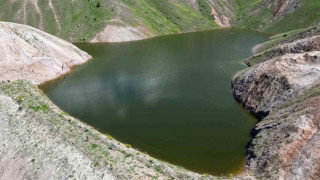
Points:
x=257 y=14
x=306 y=14
x=82 y=19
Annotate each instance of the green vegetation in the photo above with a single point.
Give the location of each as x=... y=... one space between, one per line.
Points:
x=128 y=145
x=83 y=19
x=261 y=16
x=258 y=14
x=42 y=107
x=94 y=146
x=276 y=39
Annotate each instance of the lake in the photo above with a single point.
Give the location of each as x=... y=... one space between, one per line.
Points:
x=168 y=96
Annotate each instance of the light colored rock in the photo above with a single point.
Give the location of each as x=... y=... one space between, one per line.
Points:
x=30 y=54
x=222 y=20
x=118 y=31
x=283 y=7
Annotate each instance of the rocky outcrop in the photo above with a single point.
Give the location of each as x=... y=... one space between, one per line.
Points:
x=283 y=7
x=296 y=47
x=222 y=20
x=283 y=91
x=30 y=54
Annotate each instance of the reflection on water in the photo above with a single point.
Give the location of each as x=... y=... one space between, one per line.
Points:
x=168 y=96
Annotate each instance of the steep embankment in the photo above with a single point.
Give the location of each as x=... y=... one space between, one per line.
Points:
x=115 y=20
x=30 y=54
x=282 y=88
x=277 y=16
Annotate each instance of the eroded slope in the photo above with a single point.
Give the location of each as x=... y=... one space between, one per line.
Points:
x=33 y=55
x=281 y=88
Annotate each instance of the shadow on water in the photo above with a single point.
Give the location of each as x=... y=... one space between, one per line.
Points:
x=168 y=96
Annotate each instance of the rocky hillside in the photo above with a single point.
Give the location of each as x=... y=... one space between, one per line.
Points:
x=282 y=89
x=33 y=55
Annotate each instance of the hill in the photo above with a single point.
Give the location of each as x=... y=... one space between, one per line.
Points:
x=81 y=20
x=126 y=20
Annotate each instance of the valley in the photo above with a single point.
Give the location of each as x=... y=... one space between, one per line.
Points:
x=188 y=50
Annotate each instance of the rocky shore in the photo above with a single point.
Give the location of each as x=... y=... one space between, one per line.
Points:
x=282 y=88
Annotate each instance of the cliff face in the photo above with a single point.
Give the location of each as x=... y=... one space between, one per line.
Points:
x=282 y=88
x=33 y=55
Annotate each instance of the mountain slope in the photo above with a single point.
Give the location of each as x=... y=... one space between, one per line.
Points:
x=81 y=20
x=277 y=16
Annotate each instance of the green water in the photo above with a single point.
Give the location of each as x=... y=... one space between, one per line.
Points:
x=168 y=96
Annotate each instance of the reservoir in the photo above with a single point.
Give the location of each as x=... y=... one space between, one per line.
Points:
x=168 y=96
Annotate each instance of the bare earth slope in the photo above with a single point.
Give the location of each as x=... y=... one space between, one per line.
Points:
x=282 y=89
x=33 y=55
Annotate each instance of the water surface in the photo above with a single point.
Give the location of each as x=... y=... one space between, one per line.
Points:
x=167 y=96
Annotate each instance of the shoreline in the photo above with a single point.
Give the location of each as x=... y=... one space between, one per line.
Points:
x=241 y=171
x=89 y=149
x=174 y=34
